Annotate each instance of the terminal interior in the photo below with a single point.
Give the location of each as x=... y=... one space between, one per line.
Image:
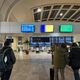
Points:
x=34 y=26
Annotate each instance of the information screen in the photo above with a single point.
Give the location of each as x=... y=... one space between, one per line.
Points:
x=69 y=39
x=27 y=28
x=61 y=39
x=40 y=39
x=47 y=28
x=66 y=28
x=56 y=39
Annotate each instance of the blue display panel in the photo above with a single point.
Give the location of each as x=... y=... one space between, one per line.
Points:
x=48 y=41
x=69 y=39
x=56 y=39
x=42 y=41
x=61 y=39
x=27 y=28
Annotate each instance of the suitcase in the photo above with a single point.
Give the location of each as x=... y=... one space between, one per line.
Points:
x=51 y=73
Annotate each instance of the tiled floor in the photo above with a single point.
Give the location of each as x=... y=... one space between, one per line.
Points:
x=35 y=67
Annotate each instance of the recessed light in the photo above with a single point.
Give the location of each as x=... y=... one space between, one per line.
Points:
x=61 y=14
x=39 y=10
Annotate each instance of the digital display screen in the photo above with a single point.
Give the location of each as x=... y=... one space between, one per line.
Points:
x=47 y=28
x=69 y=39
x=56 y=39
x=66 y=28
x=27 y=28
x=40 y=39
x=61 y=39
x=51 y=40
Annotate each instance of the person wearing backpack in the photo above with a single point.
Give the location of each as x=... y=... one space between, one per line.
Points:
x=74 y=57
x=10 y=60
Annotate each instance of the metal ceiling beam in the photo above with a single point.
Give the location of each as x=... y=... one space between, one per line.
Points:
x=58 y=12
x=41 y=14
x=67 y=12
x=73 y=14
x=50 y=12
x=2 y=4
x=76 y=19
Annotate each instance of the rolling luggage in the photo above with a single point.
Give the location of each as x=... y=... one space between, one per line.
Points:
x=51 y=73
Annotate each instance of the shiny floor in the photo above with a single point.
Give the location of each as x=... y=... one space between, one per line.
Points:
x=35 y=67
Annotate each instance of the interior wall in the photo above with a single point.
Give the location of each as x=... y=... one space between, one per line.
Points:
x=15 y=43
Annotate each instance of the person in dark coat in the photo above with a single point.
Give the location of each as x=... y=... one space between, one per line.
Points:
x=74 y=57
x=10 y=60
x=60 y=60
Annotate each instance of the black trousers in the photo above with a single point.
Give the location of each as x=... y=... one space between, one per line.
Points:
x=76 y=74
x=6 y=75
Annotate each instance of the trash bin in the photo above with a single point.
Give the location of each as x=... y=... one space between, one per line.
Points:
x=51 y=73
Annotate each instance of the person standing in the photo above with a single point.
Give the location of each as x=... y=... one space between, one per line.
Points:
x=59 y=60
x=74 y=57
x=10 y=60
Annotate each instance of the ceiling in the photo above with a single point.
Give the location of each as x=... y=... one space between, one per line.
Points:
x=58 y=12
x=51 y=10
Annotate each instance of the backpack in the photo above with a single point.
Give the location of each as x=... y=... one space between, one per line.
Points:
x=3 y=60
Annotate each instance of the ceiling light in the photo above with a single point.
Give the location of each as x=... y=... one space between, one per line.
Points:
x=39 y=10
x=61 y=14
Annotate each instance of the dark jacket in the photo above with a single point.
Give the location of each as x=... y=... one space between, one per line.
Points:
x=10 y=57
x=74 y=57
